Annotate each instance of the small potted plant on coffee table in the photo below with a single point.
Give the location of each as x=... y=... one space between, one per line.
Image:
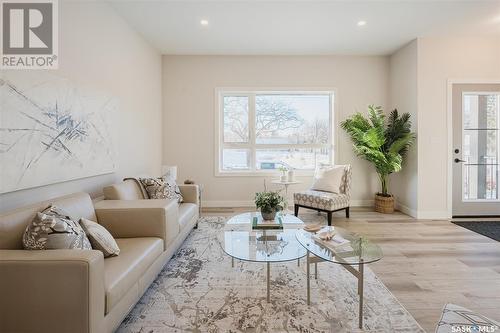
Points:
x=269 y=203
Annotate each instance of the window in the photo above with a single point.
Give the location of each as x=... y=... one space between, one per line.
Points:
x=260 y=131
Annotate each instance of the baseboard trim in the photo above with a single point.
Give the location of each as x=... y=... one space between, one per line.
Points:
x=250 y=203
x=430 y=215
x=406 y=210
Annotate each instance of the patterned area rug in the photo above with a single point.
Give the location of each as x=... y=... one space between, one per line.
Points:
x=199 y=291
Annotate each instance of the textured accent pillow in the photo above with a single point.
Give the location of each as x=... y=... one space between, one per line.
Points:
x=328 y=179
x=100 y=238
x=162 y=188
x=52 y=228
x=458 y=319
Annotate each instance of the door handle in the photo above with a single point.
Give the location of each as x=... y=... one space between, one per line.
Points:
x=457 y=160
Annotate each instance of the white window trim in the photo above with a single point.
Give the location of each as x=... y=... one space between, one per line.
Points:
x=251 y=91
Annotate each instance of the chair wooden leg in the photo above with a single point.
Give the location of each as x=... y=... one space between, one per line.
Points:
x=329 y=216
x=347 y=212
x=296 y=210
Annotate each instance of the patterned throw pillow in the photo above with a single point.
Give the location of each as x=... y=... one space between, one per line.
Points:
x=54 y=229
x=162 y=188
x=100 y=238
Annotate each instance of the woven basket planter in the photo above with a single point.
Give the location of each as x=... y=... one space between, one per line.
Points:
x=384 y=205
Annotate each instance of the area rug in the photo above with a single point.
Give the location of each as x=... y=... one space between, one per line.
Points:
x=199 y=291
x=490 y=229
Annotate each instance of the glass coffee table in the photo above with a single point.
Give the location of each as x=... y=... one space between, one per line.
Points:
x=356 y=252
x=240 y=241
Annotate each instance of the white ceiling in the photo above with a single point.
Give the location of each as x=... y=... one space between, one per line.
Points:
x=303 y=27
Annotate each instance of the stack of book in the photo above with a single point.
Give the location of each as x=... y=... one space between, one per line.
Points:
x=259 y=223
x=332 y=242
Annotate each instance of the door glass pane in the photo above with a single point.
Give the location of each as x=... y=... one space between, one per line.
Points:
x=480 y=146
x=292 y=119
x=302 y=159
x=235 y=159
x=480 y=182
x=235 y=118
x=480 y=111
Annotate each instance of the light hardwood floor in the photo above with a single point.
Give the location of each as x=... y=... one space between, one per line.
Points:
x=427 y=263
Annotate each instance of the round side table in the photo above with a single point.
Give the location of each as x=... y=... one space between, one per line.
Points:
x=285 y=184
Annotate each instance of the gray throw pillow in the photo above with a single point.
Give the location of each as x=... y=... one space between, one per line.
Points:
x=100 y=238
x=162 y=188
x=52 y=228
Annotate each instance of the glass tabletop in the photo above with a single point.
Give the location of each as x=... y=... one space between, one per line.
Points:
x=240 y=241
x=347 y=248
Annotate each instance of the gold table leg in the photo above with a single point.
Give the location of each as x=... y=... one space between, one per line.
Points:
x=308 y=282
x=360 y=292
x=268 y=278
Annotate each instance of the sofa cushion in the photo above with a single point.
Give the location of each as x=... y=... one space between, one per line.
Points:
x=124 y=271
x=129 y=189
x=54 y=229
x=100 y=238
x=321 y=200
x=186 y=213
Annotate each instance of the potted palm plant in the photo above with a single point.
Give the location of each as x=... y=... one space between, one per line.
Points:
x=269 y=203
x=382 y=142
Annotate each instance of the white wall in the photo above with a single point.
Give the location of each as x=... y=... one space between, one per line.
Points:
x=188 y=106
x=441 y=59
x=99 y=51
x=403 y=96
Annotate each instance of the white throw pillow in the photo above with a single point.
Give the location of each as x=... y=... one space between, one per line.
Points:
x=100 y=238
x=328 y=179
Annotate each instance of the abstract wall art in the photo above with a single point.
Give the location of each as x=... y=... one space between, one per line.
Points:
x=52 y=131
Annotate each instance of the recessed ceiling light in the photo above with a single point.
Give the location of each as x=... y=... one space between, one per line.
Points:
x=361 y=23
x=204 y=22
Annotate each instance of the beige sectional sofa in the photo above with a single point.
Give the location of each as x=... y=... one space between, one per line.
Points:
x=78 y=290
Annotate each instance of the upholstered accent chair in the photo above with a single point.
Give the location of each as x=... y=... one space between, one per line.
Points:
x=328 y=202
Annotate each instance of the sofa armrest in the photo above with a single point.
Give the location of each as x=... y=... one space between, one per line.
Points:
x=51 y=291
x=190 y=193
x=140 y=218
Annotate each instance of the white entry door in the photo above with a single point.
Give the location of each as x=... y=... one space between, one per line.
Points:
x=476 y=149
